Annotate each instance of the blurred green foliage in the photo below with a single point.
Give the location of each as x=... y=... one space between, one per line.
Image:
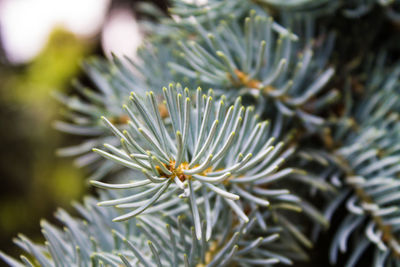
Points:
x=34 y=181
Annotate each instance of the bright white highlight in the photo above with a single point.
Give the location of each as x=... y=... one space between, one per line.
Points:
x=121 y=34
x=26 y=24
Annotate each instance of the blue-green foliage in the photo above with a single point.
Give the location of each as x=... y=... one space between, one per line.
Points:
x=153 y=241
x=260 y=58
x=236 y=175
x=206 y=152
x=148 y=240
x=369 y=158
x=349 y=8
x=114 y=81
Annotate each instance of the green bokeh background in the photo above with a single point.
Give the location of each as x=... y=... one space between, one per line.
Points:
x=34 y=181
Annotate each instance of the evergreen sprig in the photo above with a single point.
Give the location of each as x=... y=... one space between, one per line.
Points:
x=350 y=9
x=113 y=82
x=370 y=160
x=204 y=149
x=255 y=60
x=148 y=241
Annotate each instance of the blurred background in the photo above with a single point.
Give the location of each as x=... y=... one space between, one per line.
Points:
x=42 y=43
